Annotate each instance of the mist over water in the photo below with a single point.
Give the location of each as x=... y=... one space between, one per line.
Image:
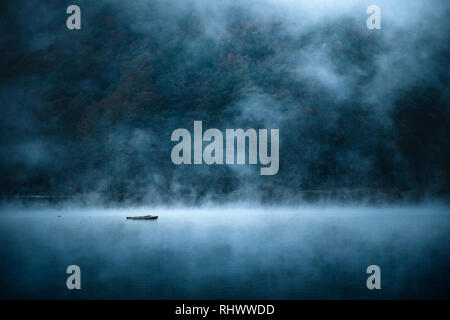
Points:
x=273 y=253
x=85 y=126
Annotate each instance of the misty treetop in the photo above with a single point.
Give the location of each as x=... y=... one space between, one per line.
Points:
x=91 y=111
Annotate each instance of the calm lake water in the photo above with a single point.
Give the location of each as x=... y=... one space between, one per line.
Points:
x=277 y=253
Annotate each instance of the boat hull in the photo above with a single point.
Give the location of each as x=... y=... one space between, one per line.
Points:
x=143 y=218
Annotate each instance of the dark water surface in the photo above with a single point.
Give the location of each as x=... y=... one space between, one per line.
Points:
x=290 y=253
